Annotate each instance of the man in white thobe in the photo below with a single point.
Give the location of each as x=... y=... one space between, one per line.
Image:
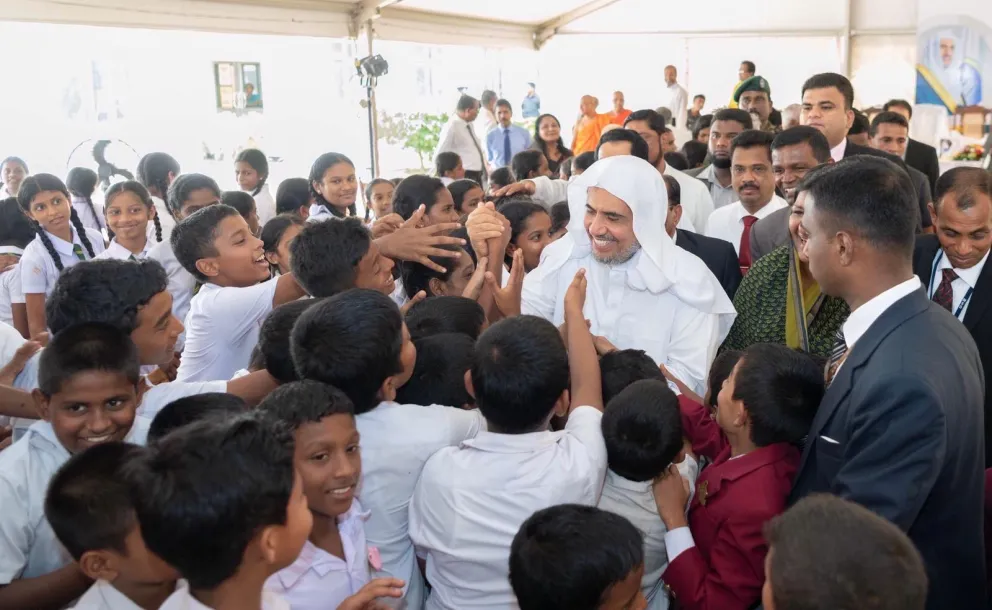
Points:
x=643 y=291
x=676 y=98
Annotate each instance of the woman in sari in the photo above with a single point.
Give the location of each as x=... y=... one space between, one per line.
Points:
x=779 y=301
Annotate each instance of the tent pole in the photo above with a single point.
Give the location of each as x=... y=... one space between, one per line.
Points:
x=373 y=112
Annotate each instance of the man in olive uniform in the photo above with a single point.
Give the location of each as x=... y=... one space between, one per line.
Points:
x=755 y=96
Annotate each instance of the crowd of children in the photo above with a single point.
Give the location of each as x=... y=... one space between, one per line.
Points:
x=247 y=403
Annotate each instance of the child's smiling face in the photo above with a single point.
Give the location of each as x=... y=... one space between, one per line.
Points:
x=91 y=407
x=240 y=259
x=330 y=465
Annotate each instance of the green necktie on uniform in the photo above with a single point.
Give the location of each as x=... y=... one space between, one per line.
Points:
x=78 y=251
x=131 y=258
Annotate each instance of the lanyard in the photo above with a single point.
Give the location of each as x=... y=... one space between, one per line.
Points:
x=933 y=289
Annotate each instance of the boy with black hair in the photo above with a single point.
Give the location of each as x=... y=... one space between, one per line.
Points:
x=331 y=257
x=357 y=342
x=216 y=246
x=643 y=434
x=220 y=501
x=764 y=410
x=328 y=460
x=707 y=441
x=88 y=395
x=190 y=409
x=827 y=553
x=446 y=314
x=89 y=507
x=572 y=557
x=472 y=498
x=274 y=338
x=439 y=375
x=620 y=368
x=132 y=297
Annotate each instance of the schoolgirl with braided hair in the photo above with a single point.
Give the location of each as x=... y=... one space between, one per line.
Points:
x=334 y=187
x=130 y=210
x=82 y=182
x=251 y=169
x=156 y=171
x=62 y=241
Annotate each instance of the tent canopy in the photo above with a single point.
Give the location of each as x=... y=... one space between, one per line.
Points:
x=509 y=23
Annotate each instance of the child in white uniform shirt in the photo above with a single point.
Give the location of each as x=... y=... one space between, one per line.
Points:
x=62 y=242
x=221 y=501
x=88 y=395
x=16 y=232
x=216 y=245
x=89 y=508
x=335 y=561
x=472 y=499
x=130 y=210
x=357 y=342
x=81 y=182
x=252 y=171
x=188 y=193
x=156 y=171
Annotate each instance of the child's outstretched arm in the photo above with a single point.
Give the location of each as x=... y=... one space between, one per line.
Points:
x=583 y=363
x=287 y=290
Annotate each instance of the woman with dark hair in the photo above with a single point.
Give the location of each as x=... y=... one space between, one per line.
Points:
x=81 y=182
x=419 y=190
x=547 y=139
x=529 y=164
x=129 y=214
x=13 y=171
x=333 y=186
x=467 y=195
x=252 y=171
x=277 y=235
x=293 y=197
x=530 y=231
x=448 y=167
x=452 y=282
x=156 y=171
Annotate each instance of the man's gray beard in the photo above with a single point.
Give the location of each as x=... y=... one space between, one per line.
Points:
x=620 y=257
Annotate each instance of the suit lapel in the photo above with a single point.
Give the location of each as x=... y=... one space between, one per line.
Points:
x=980 y=300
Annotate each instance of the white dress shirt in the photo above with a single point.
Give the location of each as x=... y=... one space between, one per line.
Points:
x=10 y=287
x=397 y=440
x=489 y=121
x=182 y=599
x=722 y=195
x=119 y=252
x=318 y=580
x=967 y=280
x=634 y=500
x=90 y=221
x=472 y=499
x=265 y=205
x=695 y=199
x=222 y=329
x=863 y=317
x=837 y=152
x=38 y=270
x=156 y=397
x=28 y=546
x=727 y=223
x=103 y=596
x=164 y=218
x=459 y=137
x=676 y=99
x=181 y=282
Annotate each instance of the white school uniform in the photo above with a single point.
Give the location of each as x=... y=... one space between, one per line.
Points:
x=182 y=599
x=634 y=500
x=472 y=499
x=265 y=205
x=38 y=270
x=319 y=213
x=164 y=218
x=10 y=287
x=397 y=440
x=222 y=329
x=156 y=397
x=118 y=252
x=181 y=282
x=86 y=216
x=28 y=546
x=318 y=580
x=103 y=596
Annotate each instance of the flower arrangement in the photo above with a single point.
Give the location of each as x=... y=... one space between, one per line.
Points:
x=971 y=152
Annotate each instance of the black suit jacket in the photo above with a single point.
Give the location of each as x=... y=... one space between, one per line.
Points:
x=719 y=256
x=977 y=319
x=904 y=415
x=924 y=158
x=920 y=184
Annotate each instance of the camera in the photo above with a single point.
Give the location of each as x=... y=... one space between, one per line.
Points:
x=371 y=68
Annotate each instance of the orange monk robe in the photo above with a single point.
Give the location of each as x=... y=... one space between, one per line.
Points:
x=619 y=119
x=587 y=133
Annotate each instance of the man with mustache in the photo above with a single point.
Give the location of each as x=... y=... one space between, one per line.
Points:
x=754 y=182
x=727 y=124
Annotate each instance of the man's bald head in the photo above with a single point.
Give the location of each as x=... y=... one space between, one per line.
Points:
x=588 y=105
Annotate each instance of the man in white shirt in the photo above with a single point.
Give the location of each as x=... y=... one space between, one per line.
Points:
x=751 y=165
x=458 y=136
x=697 y=204
x=677 y=98
x=644 y=292
x=900 y=427
x=727 y=124
x=489 y=121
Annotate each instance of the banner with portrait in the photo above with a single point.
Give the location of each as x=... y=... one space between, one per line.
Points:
x=954 y=53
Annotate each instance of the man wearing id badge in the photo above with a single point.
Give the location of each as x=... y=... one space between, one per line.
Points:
x=952 y=263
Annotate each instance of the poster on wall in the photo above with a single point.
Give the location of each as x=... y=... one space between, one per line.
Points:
x=954 y=54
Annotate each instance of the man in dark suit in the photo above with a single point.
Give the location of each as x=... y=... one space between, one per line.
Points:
x=918 y=155
x=900 y=427
x=794 y=152
x=952 y=263
x=719 y=255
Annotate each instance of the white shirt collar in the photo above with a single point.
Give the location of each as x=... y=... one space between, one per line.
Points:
x=64 y=247
x=863 y=317
x=970 y=275
x=116 y=250
x=775 y=204
x=837 y=152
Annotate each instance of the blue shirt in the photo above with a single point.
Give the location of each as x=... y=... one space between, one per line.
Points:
x=496 y=144
x=531 y=106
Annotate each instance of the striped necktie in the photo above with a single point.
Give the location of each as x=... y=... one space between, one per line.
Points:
x=78 y=251
x=837 y=356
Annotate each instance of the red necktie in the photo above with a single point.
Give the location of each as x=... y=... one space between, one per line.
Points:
x=744 y=256
x=945 y=294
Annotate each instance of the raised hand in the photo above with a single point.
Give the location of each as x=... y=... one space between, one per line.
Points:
x=507 y=298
